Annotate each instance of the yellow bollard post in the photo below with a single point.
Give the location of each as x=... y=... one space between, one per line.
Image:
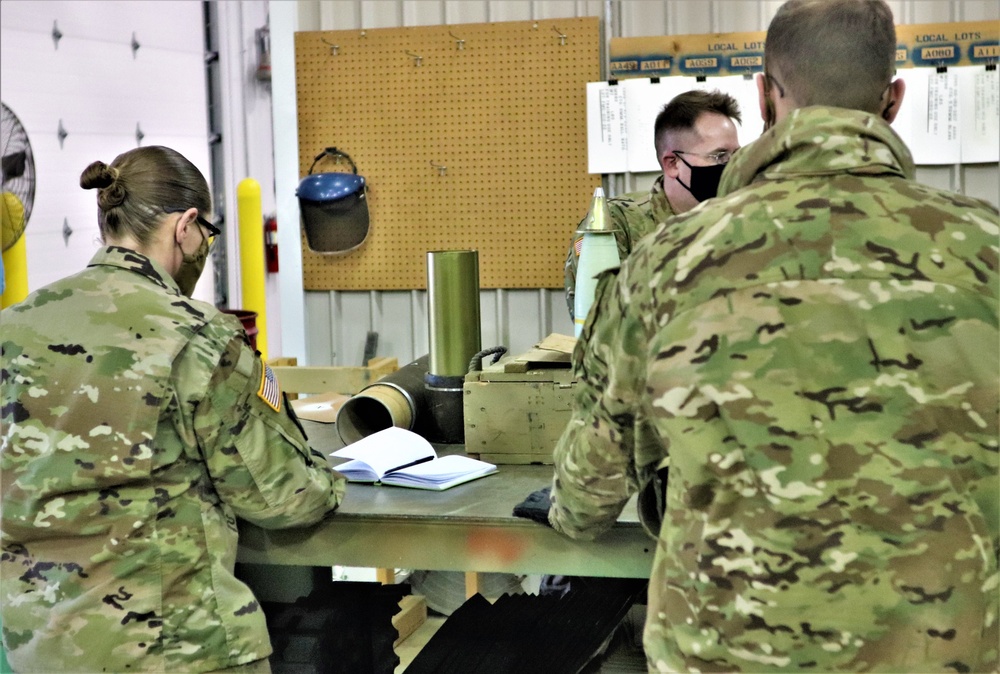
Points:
x=252 y=256
x=15 y=269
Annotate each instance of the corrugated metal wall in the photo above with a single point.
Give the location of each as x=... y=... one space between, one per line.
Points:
x=337 y=323
x=107 y=97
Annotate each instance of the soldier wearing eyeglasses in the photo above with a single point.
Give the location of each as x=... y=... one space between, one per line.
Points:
x=137 y=425
x=695 y=136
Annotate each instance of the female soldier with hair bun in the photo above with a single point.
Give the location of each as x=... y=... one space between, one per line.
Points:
x=138 y=424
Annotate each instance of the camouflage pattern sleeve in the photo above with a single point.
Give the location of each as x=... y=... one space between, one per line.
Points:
x=594 y=476
x=569 y=270
x=255 y=451
x=815 y=352
x=135 y=428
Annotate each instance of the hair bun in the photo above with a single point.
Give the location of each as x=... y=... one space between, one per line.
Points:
x=107 y=179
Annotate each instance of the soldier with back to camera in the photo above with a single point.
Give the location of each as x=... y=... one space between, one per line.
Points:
x=814 y=356
x=138 y=424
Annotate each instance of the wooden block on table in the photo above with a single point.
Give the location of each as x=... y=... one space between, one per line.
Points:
x=284 y=361
x=557 y=342
x=473 y=584
x=538 y=360
x=412 y=614
x=321 y=408
x=345 y=380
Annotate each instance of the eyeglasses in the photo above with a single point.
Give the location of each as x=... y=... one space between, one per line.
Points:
x=213 y=231
x=720 y=157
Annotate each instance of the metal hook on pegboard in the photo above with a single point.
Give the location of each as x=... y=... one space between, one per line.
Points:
x=459 y=42
x=562 y=36
x=440 y=167
x=417 y=58
x=334 y=48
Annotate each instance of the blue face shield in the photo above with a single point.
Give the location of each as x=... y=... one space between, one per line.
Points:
x=334 y=207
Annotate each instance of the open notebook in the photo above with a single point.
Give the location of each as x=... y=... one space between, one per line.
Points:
x=402 y=458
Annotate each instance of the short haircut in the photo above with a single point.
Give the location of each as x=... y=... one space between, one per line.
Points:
x=838 y=53
x=683 y=110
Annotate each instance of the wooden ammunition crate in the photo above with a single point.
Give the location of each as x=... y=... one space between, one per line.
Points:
x=516 y=410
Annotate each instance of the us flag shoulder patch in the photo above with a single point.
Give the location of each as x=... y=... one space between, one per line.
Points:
x=578 y=246
x=269 y=390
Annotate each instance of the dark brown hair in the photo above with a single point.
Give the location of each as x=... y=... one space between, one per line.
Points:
x=142 y=184
x=683 y=110
x=838 y=53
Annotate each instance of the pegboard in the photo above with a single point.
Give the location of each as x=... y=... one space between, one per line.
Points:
x=471 y=136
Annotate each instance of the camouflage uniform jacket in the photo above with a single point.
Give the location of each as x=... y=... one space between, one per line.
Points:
x=815 y=354
x=137 y=426
x=635 y=215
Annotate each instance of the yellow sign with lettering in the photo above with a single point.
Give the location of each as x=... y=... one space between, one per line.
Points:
x=932 y=44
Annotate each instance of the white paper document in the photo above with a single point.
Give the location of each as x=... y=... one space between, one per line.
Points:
x=607 y=142
x=979 y=113
x=928 y=118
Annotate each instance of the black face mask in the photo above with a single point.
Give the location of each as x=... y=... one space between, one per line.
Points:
x=704 y=180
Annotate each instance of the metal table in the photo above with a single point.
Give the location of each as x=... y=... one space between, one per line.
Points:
x=466 y=528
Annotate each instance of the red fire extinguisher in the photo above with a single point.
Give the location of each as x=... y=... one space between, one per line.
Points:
x=271 y=243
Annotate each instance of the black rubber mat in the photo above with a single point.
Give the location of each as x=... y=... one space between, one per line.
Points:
x=524 y=634
x=340 y=628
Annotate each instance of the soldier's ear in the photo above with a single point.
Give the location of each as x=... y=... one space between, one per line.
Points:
x=894 y=94
x=668 y=162
x=762 y=100
x=184 y=223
